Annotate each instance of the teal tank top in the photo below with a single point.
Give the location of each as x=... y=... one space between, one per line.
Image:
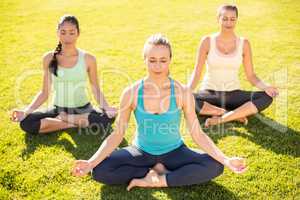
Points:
x=157 y=134
x=69 y=85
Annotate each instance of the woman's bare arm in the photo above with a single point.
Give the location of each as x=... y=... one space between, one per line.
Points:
x=200 y=61
x=94 y=81
x=42 y=95
x=116 y=137
x=250 y=74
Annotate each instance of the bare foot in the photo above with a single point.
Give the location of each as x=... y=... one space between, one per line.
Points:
x=160 y=169
x=209 y=109
x=62 y=116
x=243 y=120
x=212 y=121
x=220 y=112
x=217 y=120
x=152 y=179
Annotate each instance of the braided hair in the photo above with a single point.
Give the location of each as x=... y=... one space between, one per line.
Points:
x=53 y=63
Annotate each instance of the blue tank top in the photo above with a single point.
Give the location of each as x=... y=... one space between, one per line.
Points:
x=157 y=134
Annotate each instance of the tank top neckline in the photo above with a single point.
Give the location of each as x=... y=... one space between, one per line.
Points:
x=219 y=53
x=141 y=99
x=77 y=61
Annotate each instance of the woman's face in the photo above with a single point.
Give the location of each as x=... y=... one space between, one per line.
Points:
x=227 y=19
x=157 y=59
x=67 y=33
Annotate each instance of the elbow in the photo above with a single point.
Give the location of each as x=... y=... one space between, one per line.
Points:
x=192 y=84
x=197 y=136
x=95 y=87
x=115 y=139
x=252 y=79
x=194 y=79
x=118 y=136
x=44 y=95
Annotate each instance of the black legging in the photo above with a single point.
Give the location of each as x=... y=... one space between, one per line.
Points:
x=32 y=122
x=187 y=166
x=231 y=100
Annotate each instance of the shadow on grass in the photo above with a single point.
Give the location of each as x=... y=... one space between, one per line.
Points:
x=263 y=131
x=210 y=190
x=85 y=142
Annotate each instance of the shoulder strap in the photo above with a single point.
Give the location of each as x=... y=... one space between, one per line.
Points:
x=140 y=97
x=241 y=45
x=173 y=104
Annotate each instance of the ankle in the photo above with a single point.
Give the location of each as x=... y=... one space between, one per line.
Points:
x=162 y=181
x=221 y=111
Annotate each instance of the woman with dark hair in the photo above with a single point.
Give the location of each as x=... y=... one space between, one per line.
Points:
x=66 y=69
x=220 y=95
x=158 y=156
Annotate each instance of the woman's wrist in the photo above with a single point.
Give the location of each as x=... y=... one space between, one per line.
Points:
x=27 y=111
x=91 y=164
x=225 y=160
x=104 y=106
x=263 y=86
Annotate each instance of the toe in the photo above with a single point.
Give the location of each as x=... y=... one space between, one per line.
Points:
x=206 y=124
x=131 y=185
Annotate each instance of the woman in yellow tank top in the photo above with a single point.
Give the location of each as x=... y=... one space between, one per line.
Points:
x=67 y=69
x=220 y=95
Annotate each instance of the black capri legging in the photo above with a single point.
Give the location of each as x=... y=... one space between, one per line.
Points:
x=31 y=124
x=231 y=100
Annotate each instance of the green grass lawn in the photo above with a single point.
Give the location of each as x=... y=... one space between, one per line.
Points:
x=38 y=167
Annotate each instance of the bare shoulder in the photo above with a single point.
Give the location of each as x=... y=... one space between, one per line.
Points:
x=205 y=40
x=131 y=88
x=246 y=45
x=130 y=93
x=205 y=43
x=47 y=57
x=246 y=40
x=90 y=58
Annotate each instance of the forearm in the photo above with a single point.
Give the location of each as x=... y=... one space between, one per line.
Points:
x=38 y=100
x=194 y=79
x=106 y=148
x=255 y=81
x=99 y=96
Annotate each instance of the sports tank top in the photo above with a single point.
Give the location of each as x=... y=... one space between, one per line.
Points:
x=157 y=134
x=221 y=69
x=70 y=84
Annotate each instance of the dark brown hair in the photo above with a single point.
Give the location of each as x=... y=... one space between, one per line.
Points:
x=53 y=63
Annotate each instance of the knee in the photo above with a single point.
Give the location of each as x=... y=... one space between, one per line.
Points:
x=99 y=173
x=30 y=126
x=100 y=121
x=264 y=102
x=217 y=168
x=102 y=174
x=198 y=105
x=269 y=99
